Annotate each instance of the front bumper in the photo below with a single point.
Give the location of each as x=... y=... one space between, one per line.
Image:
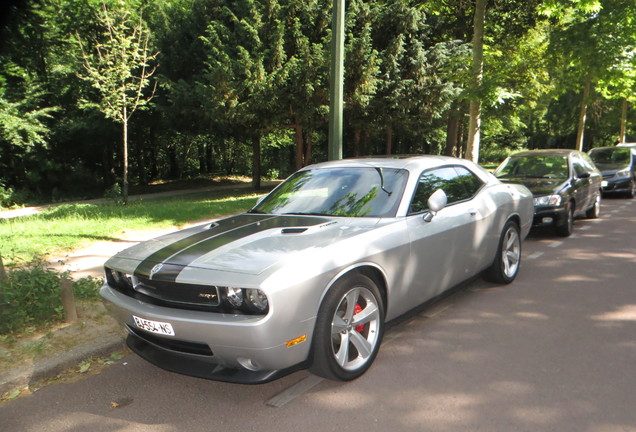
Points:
x=224 y=347
x=617 y=185
x=549 y=216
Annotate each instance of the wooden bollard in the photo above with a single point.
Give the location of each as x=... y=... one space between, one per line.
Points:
x=68 y=300
x=3 y=272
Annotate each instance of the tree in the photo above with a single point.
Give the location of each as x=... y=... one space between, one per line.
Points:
x=22 y=121
x=120 y=69
x=592 y=51
x=472 y=149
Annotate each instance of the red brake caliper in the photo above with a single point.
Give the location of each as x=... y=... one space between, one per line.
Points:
x=357 y=310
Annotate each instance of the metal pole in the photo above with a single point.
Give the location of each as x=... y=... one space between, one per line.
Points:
x=336 y=81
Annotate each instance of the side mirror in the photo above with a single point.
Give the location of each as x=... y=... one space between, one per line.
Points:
x=584 y=175
x=436 y=202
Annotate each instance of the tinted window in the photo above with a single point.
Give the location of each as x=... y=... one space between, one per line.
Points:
x=534 y=166
x=458 y=183
x=351 y=192
x=611 y=158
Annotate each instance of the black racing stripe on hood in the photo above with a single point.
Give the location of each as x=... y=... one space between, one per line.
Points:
x=181 y=253
x=158 y=257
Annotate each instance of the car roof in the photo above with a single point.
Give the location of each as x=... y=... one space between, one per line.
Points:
x=545 y=152
x=614 y=148
x=408 y=162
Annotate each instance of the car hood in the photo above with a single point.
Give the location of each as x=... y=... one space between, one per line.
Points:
x=247 y=243
x=538 y=186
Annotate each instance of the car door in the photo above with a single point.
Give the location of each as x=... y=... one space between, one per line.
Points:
x=583 y=182
x=445 y=250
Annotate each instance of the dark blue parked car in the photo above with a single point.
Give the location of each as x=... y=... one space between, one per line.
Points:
x=618 y=166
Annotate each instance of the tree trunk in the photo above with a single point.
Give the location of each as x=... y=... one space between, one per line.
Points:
x=452 y=131
x=389 y=140
x=256 y=162
x=356 y=143
x=583 y=114
x=124 y=190
x=472 y=148
x=621 y=138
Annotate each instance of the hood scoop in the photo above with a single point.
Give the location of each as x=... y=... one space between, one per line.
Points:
x=293 y=230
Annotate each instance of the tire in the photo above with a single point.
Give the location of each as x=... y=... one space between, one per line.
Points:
x=344 y=346
x=631 y=193
x=595 y=211
x=505 y=267
x=565 y=230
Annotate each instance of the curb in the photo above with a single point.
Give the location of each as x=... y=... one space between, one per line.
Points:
x=48 y=367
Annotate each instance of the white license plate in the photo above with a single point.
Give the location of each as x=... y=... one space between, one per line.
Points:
x=154 y=326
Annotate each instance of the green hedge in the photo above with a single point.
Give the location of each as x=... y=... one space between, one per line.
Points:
x=30 y=296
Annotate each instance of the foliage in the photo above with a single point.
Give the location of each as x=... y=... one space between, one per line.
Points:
x=242 y=85
x=31 y=296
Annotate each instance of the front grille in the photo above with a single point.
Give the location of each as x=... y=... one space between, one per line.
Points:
x=172 y=344
x=163 y=293
x=178 y=294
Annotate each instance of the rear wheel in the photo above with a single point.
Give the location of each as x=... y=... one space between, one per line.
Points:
x=349 y=329
x=565 y=230
x=506 y=265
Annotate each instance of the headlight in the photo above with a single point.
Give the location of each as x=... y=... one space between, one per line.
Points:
x=624 y=173
x=257 y=300
x=244 y=300
x=117 y=279
x=548 y=200
x=235 y=297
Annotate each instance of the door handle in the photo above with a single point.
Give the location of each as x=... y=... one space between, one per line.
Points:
x=472 y=212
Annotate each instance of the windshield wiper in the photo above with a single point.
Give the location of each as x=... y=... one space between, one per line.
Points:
x=305 y=214
x=379 y=170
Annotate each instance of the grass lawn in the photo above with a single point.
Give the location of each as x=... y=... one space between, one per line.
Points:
x=70 y=226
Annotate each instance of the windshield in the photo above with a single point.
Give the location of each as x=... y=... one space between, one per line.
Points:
x=351 y=192
x=539 y=166
x=611 y=158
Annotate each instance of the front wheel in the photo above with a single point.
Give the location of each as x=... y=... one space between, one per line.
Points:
x=565 y=230
x=349 y=329
x=594 y=211
x=506 y=265
x=631 y=192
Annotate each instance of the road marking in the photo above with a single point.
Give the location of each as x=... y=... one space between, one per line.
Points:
x=585 y=228
x=291 y=393
x=555 y=244
x=535 y=255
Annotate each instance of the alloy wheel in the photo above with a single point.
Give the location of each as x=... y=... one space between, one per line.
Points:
x=511 y=252
x=355 y=328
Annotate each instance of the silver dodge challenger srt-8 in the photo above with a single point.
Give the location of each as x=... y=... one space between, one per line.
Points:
x=310 y=275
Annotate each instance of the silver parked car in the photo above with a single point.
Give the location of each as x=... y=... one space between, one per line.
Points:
x=310 y=275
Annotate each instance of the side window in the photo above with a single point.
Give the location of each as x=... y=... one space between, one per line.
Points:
x=458 y=183
x=464 y=185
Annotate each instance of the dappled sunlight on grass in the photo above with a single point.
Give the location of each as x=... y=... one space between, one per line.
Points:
x=68 y=226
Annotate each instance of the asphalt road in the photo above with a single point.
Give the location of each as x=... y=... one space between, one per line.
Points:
x=554 y=351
